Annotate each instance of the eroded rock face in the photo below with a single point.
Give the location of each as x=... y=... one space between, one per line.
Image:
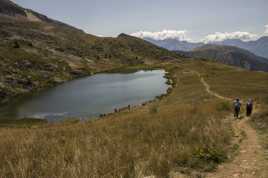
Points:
x=9 y=8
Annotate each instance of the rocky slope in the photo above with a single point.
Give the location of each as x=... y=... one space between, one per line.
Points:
x=37 y=52
x=9 y=8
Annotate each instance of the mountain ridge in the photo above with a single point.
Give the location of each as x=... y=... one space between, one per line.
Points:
x=230 y=55
x=258 y=47
x=37 y=52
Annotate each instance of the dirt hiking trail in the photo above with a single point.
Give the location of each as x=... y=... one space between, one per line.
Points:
x=250 y=161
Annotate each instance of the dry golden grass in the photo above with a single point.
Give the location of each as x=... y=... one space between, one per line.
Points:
x=234 y=82
x=185 y=130
x=260 y=122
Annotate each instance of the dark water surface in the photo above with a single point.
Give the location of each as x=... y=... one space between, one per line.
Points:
x=89 y=97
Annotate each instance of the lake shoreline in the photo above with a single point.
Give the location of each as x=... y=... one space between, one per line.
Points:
x=170 y=81
x=123 y=70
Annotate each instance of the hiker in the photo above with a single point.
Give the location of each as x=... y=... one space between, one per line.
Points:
x=237 y=106
x=249 y=107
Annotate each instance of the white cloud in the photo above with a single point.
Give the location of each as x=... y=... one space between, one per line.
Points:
x=162 y=35
x=219 y=36
x=266 y=30
x=182 y=35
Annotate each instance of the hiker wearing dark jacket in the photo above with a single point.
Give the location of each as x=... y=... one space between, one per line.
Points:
x=237 y=106
x=249 y=107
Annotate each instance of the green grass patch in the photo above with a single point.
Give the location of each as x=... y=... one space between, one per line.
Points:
x=224 y=106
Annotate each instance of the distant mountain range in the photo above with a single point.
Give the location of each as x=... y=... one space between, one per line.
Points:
x=258 y=47
x=252 y=55
x=174 y=44
x=229 y=55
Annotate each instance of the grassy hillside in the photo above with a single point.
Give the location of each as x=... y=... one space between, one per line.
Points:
x=232 y=56
x=37 y=52
x=184 y=131
x=187 y=131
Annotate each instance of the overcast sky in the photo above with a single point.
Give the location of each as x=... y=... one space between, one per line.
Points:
x=190 y=19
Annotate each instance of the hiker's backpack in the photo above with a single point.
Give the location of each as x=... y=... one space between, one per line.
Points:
x=237 y=105
x=250 y=104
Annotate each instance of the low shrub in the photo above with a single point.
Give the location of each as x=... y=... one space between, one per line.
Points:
x=224 y=106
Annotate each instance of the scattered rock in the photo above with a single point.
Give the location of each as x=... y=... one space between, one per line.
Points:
x=58 y=80
x=16 y=44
